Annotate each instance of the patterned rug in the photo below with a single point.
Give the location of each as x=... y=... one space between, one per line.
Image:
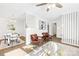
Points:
x=55 y=49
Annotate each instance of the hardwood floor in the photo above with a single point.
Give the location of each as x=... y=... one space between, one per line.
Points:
x=55 y=39
x=59 y=40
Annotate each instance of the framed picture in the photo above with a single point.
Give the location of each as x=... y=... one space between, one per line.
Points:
x=42 y=25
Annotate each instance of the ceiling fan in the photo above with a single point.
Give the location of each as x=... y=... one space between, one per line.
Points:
x=58 y=5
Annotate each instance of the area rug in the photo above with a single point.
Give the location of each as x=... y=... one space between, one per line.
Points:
x=55 y=49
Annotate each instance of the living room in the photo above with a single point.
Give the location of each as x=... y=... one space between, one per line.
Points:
x=38 y=29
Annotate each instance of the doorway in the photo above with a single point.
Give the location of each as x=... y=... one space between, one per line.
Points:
x=54 y=29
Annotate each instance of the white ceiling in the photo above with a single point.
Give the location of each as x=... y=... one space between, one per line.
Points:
x=17 y=9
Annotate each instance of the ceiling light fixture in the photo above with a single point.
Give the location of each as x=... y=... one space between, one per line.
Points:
x=50 y=5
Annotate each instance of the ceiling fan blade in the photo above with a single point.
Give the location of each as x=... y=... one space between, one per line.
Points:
x=58 y=5
x=41 y=4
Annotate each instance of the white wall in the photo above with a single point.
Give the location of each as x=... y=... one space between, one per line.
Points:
x=20 y=24
x=59 y=27
x=3 y=26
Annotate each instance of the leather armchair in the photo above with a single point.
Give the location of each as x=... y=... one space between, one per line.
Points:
x=36 y=39
x=46 y=36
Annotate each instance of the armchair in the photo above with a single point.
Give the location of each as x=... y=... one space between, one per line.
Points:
x=36 y=39
x=46 y=36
